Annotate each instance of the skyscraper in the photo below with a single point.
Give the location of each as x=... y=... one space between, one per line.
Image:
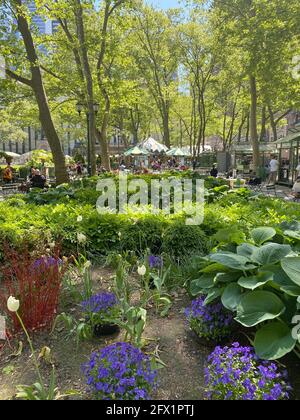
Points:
x=44 y=26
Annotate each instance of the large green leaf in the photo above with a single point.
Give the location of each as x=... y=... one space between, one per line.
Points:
x=253 y=282
x=228 y=235
x=263 y=234
x=246 y=250
x=257 y=307
x=234 y=261
x=273 y=341
x=292 y=234
x=227 y=277
x=205 y=282
x=271 y=253
x=232 y=296
x=213 y=295
x=292 y=268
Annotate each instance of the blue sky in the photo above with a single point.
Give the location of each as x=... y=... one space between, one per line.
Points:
x=165 y=4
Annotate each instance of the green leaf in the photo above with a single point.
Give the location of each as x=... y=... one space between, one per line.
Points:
x=234 y=261
x=257 y=307
x=292 y=234
x=205 y=282
x=292 y=268
x=232 y=296
x=246 y=250
x=212 y=295
x=271 y=253
x=263 y=234
x=254 y=282
x=273 y=341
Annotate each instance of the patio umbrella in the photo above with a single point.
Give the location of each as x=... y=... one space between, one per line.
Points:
x=136 y=151
x=10 y=154
x=177 y=152
x=154 y=146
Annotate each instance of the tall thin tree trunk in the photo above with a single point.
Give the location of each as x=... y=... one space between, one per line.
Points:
x=263 y=132
x=253 y=125
x=38 y=88
x=89 y=85
x=273 y=123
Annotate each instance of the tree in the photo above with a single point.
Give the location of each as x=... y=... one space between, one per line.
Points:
x=16 y=9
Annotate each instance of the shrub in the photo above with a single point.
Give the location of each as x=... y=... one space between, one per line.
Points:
x=36 y=282
x=120 y=372
x=180 y=240
x=210 y=321
x=235 y=373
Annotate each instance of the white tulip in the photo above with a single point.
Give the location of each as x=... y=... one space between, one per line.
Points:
x=142 y=270
x=13 y=304
x=81 y=238
x=87 y=265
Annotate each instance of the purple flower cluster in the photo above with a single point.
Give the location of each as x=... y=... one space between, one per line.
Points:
x=45 y=263
x=155 y=262
x=102 y=302
x=211 y=321
x=120 y=372
x=236 y=373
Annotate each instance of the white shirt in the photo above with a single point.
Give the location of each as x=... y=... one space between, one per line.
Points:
x=274 y=165
x=296 y=187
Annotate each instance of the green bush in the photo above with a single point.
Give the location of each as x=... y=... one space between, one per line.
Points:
x=180 y=241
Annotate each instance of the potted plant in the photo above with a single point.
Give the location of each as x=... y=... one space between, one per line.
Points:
x=102 y=313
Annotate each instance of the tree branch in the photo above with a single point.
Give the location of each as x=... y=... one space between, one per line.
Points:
x=18 y=78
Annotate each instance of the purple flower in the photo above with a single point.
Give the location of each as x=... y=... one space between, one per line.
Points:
x=101 y=302
x=211 y=321
x=236 y=373
x=120 y=372
x=155 y=262
x=45 y=263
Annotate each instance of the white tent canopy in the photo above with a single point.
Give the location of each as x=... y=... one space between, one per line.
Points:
x=153 y=146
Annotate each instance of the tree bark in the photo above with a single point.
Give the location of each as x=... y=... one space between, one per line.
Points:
x=263 y=131
x=89 y=85
x=253 y=124
x=38 y=88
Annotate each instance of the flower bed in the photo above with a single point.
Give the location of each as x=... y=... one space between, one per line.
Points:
x=236 y=373
x=120 y=372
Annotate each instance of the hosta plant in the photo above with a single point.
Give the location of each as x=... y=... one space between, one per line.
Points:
x=260 y=283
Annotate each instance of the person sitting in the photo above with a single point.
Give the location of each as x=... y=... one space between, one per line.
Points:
x=214 y=172
x=8 y=174
x=38 y=180
x=296 y=188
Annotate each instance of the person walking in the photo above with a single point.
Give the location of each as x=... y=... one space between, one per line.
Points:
x=274 y=168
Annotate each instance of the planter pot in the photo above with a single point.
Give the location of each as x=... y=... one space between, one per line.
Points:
x=105 y=330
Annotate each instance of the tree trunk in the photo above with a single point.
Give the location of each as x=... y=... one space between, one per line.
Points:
x=89 y=86
x=273 y=124
x=253 y=125
x=41 y=98
x=263 y=132
x=166 y=128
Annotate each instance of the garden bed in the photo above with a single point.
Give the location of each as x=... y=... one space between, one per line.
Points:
x=184 y=355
